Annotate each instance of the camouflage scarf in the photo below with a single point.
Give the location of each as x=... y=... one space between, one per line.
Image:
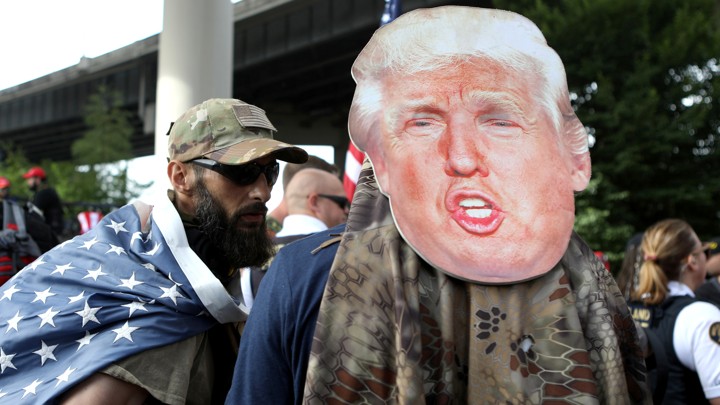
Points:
x=391 y=328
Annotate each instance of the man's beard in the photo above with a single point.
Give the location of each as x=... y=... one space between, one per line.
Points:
x=243 y=246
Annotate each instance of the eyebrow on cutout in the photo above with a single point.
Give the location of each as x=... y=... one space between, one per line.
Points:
x=495 y=100
x=426 y=104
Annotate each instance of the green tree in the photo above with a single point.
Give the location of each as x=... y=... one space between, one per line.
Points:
x=645 y=81
x=109 y=130
x=98 y=172
x=14 y=164
x=97 y=176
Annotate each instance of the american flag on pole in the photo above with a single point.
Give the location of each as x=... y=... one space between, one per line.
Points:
x=130 y=284
x=354 y=158
x=353 y=162
x=88 y=219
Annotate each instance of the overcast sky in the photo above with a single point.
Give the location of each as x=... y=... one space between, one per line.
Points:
x=43 y=36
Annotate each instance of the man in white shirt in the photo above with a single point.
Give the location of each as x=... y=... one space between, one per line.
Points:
x=316 y=201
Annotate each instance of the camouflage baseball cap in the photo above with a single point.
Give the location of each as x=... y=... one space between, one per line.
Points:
x=228 y=131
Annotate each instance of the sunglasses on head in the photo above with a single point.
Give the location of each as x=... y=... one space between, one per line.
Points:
x=244 y=174
x=342 y=202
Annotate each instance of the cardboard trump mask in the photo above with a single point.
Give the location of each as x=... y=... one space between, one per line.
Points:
x=465 y=116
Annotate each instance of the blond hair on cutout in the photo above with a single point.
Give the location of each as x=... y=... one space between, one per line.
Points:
x=665 y=245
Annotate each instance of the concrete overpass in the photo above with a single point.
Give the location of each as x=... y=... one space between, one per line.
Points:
x=290 y=57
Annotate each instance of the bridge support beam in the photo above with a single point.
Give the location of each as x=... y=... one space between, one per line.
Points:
x=195 y=61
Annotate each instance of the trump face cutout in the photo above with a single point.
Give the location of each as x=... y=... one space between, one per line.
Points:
x=475 y=144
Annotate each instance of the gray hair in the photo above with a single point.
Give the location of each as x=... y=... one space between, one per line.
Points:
x=435 y=38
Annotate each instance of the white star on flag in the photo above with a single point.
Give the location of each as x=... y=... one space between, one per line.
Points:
x=43 y=295
x=116 y=249
x=88 y=244
x=129 y=282
x=95 y=273
x=88 y=314
x=47 y=317
x=149 y=266
x=30 y=389
x=85 y=340
x=13 y=322
x=136 y=236
x=124 y=332
x=9 y=292
x=171 y=279
x=62 y=269
x=34 y=265
x=117 y=226
x=76 y=298
x=65 y=376
x=46 y=352
x=63 y=244
x=171 y=293
x=6 y=361
x=152 y=251
x=135 y=306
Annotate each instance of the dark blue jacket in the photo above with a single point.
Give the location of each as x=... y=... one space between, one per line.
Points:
x=276 y=342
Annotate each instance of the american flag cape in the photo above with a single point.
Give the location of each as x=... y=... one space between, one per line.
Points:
x=126 y=286
x=354 y=157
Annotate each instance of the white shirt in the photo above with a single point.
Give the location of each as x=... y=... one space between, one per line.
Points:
x=691 y=339
x=300 y=224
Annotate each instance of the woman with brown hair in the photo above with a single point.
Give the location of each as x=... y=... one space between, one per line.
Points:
x=688 y=330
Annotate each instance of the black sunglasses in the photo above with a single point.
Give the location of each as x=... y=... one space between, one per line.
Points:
x=244 y=174
x=342 y=202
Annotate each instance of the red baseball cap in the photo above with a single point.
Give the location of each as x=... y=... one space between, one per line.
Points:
x=36 y=171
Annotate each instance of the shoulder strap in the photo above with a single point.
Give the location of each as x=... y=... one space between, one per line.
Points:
x=19 y=217
x=661 y=366
x=13 y=214
x=335 y=239
x=6 y=214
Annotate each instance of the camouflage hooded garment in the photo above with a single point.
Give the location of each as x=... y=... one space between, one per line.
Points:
x=391 y=328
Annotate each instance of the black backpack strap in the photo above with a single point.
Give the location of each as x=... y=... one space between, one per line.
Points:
x=661 y=366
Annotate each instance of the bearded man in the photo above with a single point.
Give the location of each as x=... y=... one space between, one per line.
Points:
x=145 y=307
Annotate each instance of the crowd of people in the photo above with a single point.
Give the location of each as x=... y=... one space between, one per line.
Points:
x=453 y=276
x=29 y=229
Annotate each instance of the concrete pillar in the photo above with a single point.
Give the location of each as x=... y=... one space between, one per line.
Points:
x=195 y=61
